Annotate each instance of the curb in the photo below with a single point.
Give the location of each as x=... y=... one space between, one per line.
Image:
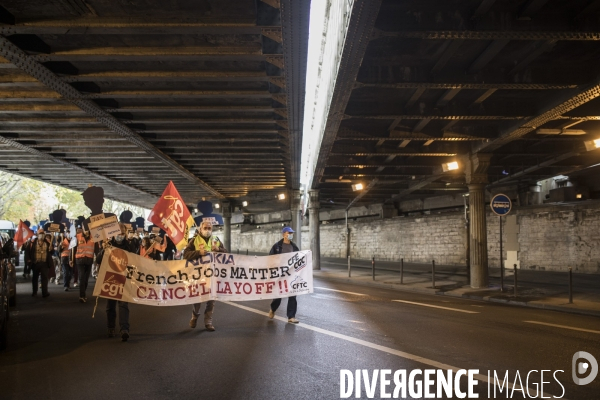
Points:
x=489 y=299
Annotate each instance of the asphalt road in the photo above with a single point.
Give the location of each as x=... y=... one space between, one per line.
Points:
x=58 y=351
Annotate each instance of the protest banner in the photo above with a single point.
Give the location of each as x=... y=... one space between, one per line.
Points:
x=54 y=228
x=22 y=234
x=105 y=228
x=128 y=277
x=172 y=215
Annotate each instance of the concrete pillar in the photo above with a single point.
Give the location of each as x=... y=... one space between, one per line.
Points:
x=476 y=176
x=227 y=226
x=296 y=208
x=314 y=226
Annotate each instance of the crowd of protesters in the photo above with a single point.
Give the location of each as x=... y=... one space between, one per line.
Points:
x=62 y=251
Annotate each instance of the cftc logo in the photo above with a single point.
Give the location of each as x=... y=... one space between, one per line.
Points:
x=582 y=367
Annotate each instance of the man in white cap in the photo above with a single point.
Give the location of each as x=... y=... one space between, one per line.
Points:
x=285 y=245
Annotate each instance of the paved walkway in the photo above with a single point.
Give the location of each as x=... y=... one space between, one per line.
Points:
x=538 y=289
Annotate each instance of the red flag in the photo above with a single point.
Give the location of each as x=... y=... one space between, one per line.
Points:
x=172 y=215
x=22 y=234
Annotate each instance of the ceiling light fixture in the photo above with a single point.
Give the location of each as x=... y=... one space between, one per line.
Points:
x=451 y=166
x=358 y=186
x=592 y=144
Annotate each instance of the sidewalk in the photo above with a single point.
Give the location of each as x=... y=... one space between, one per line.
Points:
x=537 y=289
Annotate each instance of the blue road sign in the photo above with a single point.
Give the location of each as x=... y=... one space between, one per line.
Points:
x=501 y=204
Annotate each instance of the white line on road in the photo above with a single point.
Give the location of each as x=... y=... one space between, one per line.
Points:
x=432 y=306
x=374 y=346
x=341 y=291
x=563 y=326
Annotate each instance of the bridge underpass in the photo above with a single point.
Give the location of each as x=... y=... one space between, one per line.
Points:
x=211 y=96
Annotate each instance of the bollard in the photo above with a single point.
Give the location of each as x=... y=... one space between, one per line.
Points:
x=433 y=274
x=515 y=269
x=373 y=267
x=246 y=251
x=570 y=285
x=349 y=273
x=402 y=271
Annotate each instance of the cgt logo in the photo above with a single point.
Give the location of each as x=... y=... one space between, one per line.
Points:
x=112 y=286
x=118 y=260
x=582 y=367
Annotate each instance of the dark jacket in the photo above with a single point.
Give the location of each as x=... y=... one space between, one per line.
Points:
x=278 y=247
x=32 y=249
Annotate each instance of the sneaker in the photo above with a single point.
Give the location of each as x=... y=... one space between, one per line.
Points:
x=209 y=327
x=82 y=299
x=85 y=299
x=46 y=295
x=124 y=336
x=193 y=321
x=293 y=321
x=75 y=285
x=111 y=332
x=51 y=280
x=271 y=314
x=66 y=289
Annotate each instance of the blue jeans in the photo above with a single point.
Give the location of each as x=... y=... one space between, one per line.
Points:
x=67 y=271
x=84 y=265
x=292 y=306
x=111 y=314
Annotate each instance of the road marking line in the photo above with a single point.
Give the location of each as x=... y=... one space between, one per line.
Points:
x=563 y=326
x=374 y=346
x=341 y=291
x=432 y=306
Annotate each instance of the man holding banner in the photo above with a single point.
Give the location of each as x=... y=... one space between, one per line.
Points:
x=203 y=243
x=285 y=245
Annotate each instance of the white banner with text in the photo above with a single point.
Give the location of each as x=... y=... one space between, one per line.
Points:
x=128 y=277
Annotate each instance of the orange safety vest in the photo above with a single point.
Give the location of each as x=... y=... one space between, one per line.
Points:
x=84 y=248
x=65 y=248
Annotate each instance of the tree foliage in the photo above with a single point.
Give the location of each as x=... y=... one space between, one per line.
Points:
x=24 y=198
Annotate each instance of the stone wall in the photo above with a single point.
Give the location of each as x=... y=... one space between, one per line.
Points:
x=550 y=238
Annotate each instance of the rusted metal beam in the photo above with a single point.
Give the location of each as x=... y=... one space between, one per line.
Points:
x=168 y=76
x=447 y=55
x=534 y=52
x=554 y=110
x=190 y=108
x=132 y=26
x=487 y=55
x=39 y=108
x=465 y=85
x=24 y=62
x=441 y=117
x=491 y=35
x=192 y=94
x=361 y=22
x=50 y=158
